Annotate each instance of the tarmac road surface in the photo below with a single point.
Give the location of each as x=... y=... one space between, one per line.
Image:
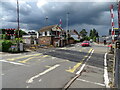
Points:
x=54 y=68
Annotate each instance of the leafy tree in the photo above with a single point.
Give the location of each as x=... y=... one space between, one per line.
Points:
x=94 y=39
x=93 y=33
x=83 y=33
x=21 y=33
x=86 y=38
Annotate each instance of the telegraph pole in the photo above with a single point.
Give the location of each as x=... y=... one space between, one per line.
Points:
x=67 y=25
x=18 y=22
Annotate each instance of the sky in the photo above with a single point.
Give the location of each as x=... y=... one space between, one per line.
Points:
x=83 y=14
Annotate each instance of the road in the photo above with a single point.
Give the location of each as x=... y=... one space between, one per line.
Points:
x=55 y=67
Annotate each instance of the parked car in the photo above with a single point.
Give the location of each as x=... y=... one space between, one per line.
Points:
x=85 y=43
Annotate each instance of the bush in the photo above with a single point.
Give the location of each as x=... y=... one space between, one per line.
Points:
x=94 y=39
x=6 y=45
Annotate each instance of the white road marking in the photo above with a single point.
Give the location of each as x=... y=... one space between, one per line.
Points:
x=2 y=74
x=11 y=62
x=94 y=67
x=40 y=80
x=72 y=47
x=85 y=63
x=40 y=74
x=106 y=79
x=53 y=57
x=91 y=82
x=27 y=86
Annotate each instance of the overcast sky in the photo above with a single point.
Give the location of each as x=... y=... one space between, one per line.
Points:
x=84 y=14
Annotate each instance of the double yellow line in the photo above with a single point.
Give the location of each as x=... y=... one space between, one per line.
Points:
x=24 y=61
x=72 y=70
x=13 y=59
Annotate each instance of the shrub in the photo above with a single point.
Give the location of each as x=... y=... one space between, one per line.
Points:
x=6 y=45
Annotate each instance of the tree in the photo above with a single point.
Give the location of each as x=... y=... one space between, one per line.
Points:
x=21 y=33
x=83 y=33
x=93 y=33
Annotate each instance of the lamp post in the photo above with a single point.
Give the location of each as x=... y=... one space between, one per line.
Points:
x=46 y=19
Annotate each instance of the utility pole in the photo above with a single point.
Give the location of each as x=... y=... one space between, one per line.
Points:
x=18 y=24
x=67 y=25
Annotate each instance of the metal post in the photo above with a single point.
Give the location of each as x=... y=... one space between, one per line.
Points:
x=18 y=22
x=46 y=18
x=67 y=25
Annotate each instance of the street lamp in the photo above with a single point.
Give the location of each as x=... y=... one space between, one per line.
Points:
x=46 y=19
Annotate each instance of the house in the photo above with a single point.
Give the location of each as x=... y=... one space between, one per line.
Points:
x=75 y=35
x=31 y=37
x=51 y=35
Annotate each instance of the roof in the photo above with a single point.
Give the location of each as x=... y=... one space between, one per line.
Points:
x=73 y=32
x=47 y=28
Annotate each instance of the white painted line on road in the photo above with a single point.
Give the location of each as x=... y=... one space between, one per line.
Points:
x=40 y=80
x=94 y=67
x=11 y=62
x=2 y=74
x=106 y=79
x=27 y=86
x=53 y=57
x=91 y=82
x=72 y=47
x=85 y=63
x=40 y=74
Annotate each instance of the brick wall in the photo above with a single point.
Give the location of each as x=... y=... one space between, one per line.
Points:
x=45 y=40
x=71 y=41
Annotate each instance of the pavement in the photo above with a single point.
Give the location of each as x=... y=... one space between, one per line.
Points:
x=55 y=67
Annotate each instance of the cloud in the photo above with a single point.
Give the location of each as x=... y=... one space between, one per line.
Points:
x=32 y=14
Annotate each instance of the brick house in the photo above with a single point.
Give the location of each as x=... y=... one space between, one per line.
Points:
x=51 y=35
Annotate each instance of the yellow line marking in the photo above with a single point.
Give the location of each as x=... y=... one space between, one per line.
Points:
x=24 y=61
x=90 y=50
x=85 y=56
x=13 y=59
x=80 y=50
x=72 y=70
x=47 y=66
x=45 y=55
x=67 y=60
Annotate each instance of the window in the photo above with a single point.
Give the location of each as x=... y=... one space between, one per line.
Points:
x=48 y=33
x=45 y=33
x=40 y=34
